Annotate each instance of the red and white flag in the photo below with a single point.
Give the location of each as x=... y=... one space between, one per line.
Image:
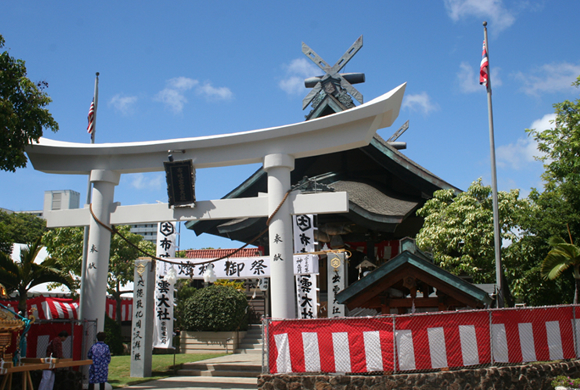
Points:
x=484 y=68
x=91 y=117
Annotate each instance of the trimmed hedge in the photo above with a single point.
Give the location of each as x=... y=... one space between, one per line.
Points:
x=216 y=309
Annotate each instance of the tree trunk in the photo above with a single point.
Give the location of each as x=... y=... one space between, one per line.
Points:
x=575 y=291
x=22 y=303
x=118 y=299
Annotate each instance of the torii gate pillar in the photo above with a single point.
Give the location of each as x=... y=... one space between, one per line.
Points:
x=278 y=167
x=94 y=298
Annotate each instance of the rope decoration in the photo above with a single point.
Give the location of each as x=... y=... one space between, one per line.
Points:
x=113 y=230
x=303 y=183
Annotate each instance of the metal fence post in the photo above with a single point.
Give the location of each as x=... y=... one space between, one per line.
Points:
x=394 y=318
x=264 y=341
x=490 y=337
x=574 y=335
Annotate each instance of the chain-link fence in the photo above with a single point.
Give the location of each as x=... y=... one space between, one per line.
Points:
x=422 y=342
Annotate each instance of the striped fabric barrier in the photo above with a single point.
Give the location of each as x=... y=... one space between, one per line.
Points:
x=353 y=345
x=423 y=341
x=48 y=308
x=442 y=340
x=539 y=334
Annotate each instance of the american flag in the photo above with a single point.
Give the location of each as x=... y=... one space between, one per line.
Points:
x=484 y=68
x=91 y=126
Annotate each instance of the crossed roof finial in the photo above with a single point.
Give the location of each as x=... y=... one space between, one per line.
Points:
x=342 y=80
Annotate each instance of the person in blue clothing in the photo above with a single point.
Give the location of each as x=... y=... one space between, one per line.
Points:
x=101 y=356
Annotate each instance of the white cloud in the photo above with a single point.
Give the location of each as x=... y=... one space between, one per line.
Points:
x=545 y=123
x=518 y=155
x=174 y=94
x=468 y=79
x=141 y=181
x=182 y=83
x=124 y=104
x=521 y=154
x=491 y=10
x=298 y=70
x=209 y=91
x=549 y=78
x=419 y=102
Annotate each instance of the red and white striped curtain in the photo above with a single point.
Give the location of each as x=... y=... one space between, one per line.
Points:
x=48 y=308
x=423 y=341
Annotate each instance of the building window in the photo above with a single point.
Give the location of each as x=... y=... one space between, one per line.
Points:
x=56 y=201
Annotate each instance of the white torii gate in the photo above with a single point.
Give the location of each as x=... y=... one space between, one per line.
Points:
x=276 y=148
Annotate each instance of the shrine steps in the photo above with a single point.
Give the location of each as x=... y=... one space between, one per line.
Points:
x=252 y=341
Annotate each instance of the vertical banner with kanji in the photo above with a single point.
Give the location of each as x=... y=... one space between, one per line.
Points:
x=305 y=268
x=336 y=282
x=166 y=244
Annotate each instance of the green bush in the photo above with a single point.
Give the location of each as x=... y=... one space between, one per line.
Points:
x=114 y=339
x=565 y=381
x=183 y=291
x=216 y=309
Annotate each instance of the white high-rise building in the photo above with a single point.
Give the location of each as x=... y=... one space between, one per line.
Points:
x=61 y=200
x=147 y=230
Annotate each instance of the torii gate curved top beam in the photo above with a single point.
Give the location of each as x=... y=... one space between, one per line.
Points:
x=342 y=131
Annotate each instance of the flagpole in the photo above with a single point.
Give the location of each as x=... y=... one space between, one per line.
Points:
x=496 y=229
x=86 y=232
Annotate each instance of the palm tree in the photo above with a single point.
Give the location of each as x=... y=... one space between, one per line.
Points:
x=23 y=275
x=560 y=258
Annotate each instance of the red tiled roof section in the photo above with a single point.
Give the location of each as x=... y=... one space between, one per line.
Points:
x=217 y=253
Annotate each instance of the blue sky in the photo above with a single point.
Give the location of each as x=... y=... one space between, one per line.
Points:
x=191 y=68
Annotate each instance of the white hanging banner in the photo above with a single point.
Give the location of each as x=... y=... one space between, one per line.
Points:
x=166 y=244
x=307 y=297
x=305 y=267
x=238 y=267
x=336 y=283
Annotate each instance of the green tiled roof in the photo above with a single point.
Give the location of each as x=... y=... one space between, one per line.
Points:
x=409 y=258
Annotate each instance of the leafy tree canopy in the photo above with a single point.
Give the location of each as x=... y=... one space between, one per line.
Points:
x=21 y=276
x=560 y=146
x=19 y=228
x=66 y=244
x=22 y=113
x=458 y=231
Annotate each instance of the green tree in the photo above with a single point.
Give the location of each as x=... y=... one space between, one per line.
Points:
x=22 y=113
x=560 y=146
x=114 y=337
x=562 y=257
x=458 y=231
x=21 y=276
x=19 y=228
x=66 y=244
x=557 y=207
x=122 y=262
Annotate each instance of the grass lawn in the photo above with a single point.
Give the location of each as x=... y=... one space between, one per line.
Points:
x=162 y=367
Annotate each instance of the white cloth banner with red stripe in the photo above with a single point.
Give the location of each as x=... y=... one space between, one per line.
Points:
x=423 y=342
